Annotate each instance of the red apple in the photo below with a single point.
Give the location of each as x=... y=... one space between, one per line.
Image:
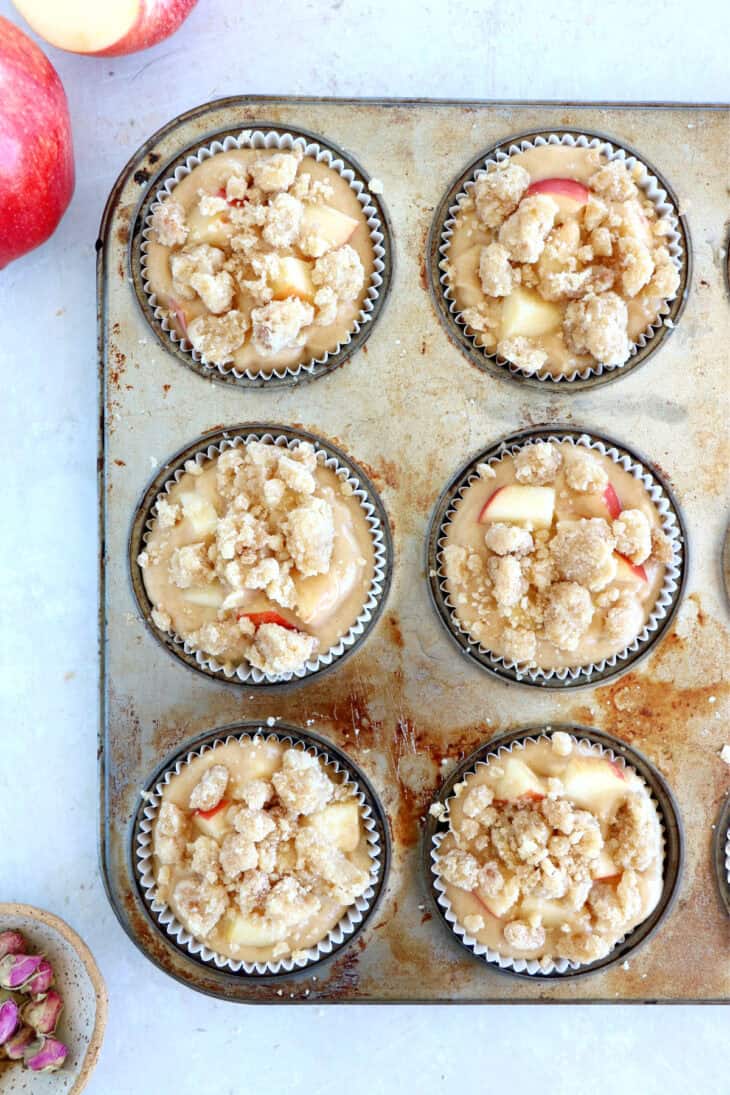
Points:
x=104 y=29
x=611 y=499
x=36 y=152
x=569 y=194
x=208 y=814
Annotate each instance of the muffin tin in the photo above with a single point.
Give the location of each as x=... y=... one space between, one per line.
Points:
x=409 y=409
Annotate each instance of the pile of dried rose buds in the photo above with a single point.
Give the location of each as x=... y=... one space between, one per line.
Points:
x=29 y=1007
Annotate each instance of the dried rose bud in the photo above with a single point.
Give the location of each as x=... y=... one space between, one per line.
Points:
x=9 y=1020
x=47 y=1055
x=42 y=1013
x=41 y=980
x=16 y=1046
x=11 y=943
x=16 y=969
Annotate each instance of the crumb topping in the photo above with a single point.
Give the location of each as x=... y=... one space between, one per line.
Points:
x=261 y=261
x=272 y=867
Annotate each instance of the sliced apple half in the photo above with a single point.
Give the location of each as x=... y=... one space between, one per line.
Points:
x=199 y=512
x=626 y=571
x=253 y=930
x=109 y=29
x=211 y=596
x=340 y=823
x=524 y=312
x=594 y=783
x=518 y=504
x=328 y=224
x=569 y=194
x=293 y=279
x=518 y=781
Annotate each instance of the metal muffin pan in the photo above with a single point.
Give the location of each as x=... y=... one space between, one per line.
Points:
x=407 y=706
x=308 y=371
x=489 y=361
x=672 y=832
x=381 y=541
x=600 y=674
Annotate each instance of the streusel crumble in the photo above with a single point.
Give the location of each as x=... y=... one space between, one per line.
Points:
x=259 y=848
x=260 y=555
x=559 y=261
x=261 y=259
x=552 y=852
x=555 y=556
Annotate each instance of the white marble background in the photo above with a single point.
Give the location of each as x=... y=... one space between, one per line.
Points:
x=161 y=1036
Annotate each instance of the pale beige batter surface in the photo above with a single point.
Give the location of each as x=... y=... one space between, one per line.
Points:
x=545 y=575
x=260 y=555
x=259 y=848
x=241 y=319
x=557 y=282
x=552 y=852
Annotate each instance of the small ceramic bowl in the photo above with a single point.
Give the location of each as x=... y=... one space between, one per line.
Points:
x=85 y=1003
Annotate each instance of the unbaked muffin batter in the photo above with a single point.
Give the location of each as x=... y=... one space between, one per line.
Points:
x=261 y=259
x=259 y=848
x=555 y=557
x=259 y=555
x=558 y=261
x=552 y=852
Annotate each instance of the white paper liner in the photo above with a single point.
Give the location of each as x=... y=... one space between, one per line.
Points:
x=248 y=674
x=727 y=857
x=534 y=966
x=664 y=601
x=164 y=916
x=268 y=139
x=652 y=189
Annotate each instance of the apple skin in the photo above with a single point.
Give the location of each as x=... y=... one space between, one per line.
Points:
x=36 y=149
x=635 y=568
x=611 y=499
x=566 y=188
x=157 y=20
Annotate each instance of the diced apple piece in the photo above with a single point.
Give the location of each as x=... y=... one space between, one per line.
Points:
x=213 y=822
x=327 y=223
x=215 y=230
x=340 y=823
x=524 y=312
x=626 y=571
x=211 y=596
x=465 y=275
x=252 y=930
x=199 y=511
x=501 y=904
x=518 y=781
x=517 y=504
x=604 y=868
x=569 y=194
x=611 y=500
x=293 y=280
x=552 y=913
x=268 y=617
x=594 y=783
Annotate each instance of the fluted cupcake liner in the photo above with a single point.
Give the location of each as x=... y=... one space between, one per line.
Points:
x=379 y=235
x=162 y=914
x=652 y=186
x=587 y=743
x=570 y=676
x=377 y=522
